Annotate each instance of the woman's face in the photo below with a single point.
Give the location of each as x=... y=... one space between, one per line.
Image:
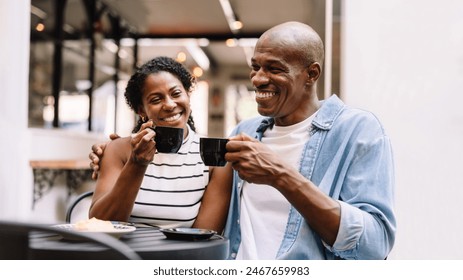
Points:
x=165 y=100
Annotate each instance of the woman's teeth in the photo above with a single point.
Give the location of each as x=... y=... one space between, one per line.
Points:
x=264 y=94
x=173 y=118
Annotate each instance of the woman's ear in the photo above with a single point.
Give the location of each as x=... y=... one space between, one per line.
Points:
x=141 y=112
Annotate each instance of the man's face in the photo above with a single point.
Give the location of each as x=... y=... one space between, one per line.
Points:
x=280 y=82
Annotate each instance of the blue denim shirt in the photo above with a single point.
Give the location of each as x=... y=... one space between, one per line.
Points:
x=349 y=158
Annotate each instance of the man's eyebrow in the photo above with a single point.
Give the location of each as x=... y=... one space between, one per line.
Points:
x=277 y=61
x=269 y=61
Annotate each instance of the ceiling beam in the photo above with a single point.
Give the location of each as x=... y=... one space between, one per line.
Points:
x=209 y=36
x=212 y=37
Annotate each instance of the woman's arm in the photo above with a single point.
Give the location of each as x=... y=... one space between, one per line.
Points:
x=216 y=200
x=121 y=173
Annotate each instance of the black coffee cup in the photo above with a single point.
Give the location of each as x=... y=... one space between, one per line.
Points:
x=212 y=151
x=168 y=139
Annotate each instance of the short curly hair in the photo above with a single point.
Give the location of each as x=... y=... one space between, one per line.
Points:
x=134 y=90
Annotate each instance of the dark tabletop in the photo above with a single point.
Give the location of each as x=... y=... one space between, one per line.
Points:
x=149 y=243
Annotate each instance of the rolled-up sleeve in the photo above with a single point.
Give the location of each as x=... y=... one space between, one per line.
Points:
x=367 y=225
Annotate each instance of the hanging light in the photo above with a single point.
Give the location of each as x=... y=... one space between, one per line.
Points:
x=232 y=19
x=197 y=71
x=181 y=57
x=40 y=26
x=231 y=42
x=237 y=25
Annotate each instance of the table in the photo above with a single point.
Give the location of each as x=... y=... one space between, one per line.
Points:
x=46 y=171
x=149 y=243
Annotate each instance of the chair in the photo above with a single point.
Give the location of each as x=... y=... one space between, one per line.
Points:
x=15 y=240
x=78 y=209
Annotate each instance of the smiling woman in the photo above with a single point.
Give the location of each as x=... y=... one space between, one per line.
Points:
x=150 y=186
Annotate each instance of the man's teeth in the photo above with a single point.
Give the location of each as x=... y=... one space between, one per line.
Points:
x=264 y=94
x=173 y=118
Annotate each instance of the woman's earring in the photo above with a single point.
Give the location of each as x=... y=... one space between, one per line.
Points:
x=144 y=119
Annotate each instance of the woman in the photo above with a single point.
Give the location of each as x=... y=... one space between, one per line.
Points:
x=137 y=184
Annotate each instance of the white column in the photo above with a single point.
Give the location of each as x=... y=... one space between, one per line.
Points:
x=328 y=67
x=16 y=182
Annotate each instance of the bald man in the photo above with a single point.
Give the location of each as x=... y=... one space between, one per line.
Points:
x=312 y=179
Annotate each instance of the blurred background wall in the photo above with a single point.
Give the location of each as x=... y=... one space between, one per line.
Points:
x=403 y=60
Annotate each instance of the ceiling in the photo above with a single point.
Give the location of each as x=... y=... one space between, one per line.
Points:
x=169 y=22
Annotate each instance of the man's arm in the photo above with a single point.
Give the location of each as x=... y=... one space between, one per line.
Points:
x=360 y=225
x=255 y=163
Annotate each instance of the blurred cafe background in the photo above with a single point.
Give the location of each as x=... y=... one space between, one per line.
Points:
x=65 y=64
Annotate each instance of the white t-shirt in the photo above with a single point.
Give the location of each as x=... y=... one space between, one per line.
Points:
x=264 y=210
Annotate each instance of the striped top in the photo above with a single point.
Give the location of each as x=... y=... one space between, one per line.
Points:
x=173 y=186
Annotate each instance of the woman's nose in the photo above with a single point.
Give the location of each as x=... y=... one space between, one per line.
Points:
x=169 y=104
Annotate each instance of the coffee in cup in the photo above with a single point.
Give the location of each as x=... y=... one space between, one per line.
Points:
x=212 y=151
x=168 y=139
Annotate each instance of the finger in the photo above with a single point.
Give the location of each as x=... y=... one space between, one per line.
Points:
x=236 y=138
x=144 y=150
x=145 y=135
x=95 y=167
x=95 y=147
x=246 y=137
x=95 y=159
x=235 y=146
x=114 y=136
x=149 y=136
x=94 y=170
x=242 y=137
x=147 y=124
x=234 y=157
x=143 y=145
x=98 y=148
x=241 y=171
x=136 y=137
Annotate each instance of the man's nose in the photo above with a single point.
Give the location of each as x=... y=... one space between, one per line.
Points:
x=259 y=78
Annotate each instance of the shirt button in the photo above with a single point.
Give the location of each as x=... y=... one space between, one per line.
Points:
x=238 y=222
x=233 y=255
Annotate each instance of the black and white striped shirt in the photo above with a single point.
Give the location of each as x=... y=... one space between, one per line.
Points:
x=173 y=186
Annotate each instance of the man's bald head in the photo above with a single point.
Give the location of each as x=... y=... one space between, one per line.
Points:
x=298 y=37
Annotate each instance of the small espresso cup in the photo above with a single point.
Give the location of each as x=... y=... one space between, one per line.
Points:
x=168 y=139
x=212 y=151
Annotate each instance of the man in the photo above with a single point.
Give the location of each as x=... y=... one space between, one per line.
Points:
x=312 y=179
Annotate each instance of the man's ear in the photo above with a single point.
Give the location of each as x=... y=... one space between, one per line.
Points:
x=314 y=71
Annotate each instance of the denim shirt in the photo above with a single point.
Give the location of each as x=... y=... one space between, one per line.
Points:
x=349 y=157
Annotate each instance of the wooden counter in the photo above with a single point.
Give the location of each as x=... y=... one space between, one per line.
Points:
x=60 y=164
x=45 y=172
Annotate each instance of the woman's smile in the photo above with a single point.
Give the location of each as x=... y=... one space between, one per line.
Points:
x=172 y=118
